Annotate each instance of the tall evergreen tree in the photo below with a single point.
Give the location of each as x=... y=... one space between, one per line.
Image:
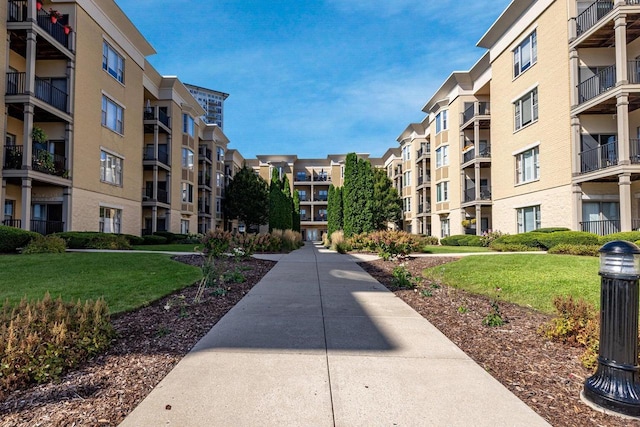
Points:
x=296 y=211
x=339 y=214
x=387 y=205
x=247 y=198
x=331 y=210
x=280 y=205
x=349 y=193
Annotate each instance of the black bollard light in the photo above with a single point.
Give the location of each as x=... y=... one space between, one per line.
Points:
x=615 y=386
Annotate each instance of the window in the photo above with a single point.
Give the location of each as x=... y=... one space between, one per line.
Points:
x=302 y=194
x=303 y=214
x=188 y=125
x=184 y=226
x=187 y=193
x=323 y=195
x=220 y=154
x=187 y=158
x=442 y=192
x=407 y=179
x=442 y=156
x=112 y=62
x=526 y=109
x=406 y=153
x=407 y=204
x=527 y=166
x=110 y=220
x=219 y=180
x=112 y=115
x=8 y=210
x=528 y=219
x=441 y=121
x=525 y=55
x=444 y=228
x=110 y=169
x=218 y=206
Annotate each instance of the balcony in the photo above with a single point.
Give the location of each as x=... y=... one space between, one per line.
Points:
x=483 y=153
x=424 y=179
x=320 y=198
x=601 y=157
x=204 y=207
x=475 y=110
x=591 y=15
x=17 y=12
x=204 y=180
x=597 y=84
x=156 y=114
x=601 y=228
x=147 y=195
x=15 y=223
x=470 y=194
x=423 y=151
x=204 y=152
x=44 y=90
x=47 y=227
x=41 y=161
x=162 y=156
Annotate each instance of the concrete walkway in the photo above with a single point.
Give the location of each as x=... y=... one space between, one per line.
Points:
x=319 y=342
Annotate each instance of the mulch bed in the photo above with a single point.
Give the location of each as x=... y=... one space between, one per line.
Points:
x=546 y=375
x=151 y=341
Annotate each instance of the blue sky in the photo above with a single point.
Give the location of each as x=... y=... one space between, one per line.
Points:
x=315 y=77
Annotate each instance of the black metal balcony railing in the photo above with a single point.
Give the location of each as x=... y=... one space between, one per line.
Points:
x=17 y=12
x=320 y=198
x=47 y=227
x=601 y=157
x=470 y=111
x=13 y=157
x=44 y=90
x=41 y=160
x=162 y=117
x=204 y=208
x=301 y=176
x=162 y=157
x=591 y=15
x=204 y=180
x=483 y=153
x=147 y=195
x=470 y=194
x=469 y=155
x=634 y=150
x=597 y=84
x=204 y=152
x=601 y=228
x=15 y=223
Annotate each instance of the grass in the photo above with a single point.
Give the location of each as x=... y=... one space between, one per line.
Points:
x=177 y=247
x=526 y=280
x=125 y=280
x=454 y=249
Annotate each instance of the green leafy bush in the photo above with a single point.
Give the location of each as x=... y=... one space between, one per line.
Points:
x=630 y=236
x=151 y=239
x=530 y=240
x=13 y=238
x=94 y=240
x=402 y=278
x=576 y=324
x=40 y=340
x=487 y=238
x=134 y=240
x=216 y=242
x=46 y=245
x=512 y=247
x=171 y=237
x=387 y=243
x=551 y=229
x=452 y=240
x=549 y=240
x=429 y=240
x=568 y=249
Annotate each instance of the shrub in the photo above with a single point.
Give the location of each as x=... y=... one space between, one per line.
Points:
x=567 y=249
x=452 y=240
x=40 y=340
x=171 y=237
x=13 y=238
x=291 y=240
x=151 y=239
x=429 y=240
x=94 y=240
x=46 y=245
x=530 y=240
x=401 y=277
x=551 y=229
x=337 y=238
x=386 y=244
x=512 y=247
x=216 y=242
x=630 y=236
x=488 y=238
x=549 y=240
x=134 y=240
x=576 y=324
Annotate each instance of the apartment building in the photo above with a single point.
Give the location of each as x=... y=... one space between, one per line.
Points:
x=212 y=101
x=211 y=178
x=95 y=138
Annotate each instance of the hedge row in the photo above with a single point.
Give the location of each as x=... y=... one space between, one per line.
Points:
x=462 y=240
x=546 y=240
x=97 y=240
x=12 y=238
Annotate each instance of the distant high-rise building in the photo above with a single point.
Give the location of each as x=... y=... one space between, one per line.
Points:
x=212 y=101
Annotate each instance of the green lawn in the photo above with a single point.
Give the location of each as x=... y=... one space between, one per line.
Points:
x=527 y=280
x=125 y=280
x=454 y=249
x=188 y=247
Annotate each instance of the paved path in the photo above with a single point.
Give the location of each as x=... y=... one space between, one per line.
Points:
x=319 y=342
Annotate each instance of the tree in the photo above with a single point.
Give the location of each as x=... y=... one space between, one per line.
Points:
x=247 y=198
x=387 y=205
x=349 y=193
x=357 y=196
x=280 y=205
x=296 y=211
x=334 y=210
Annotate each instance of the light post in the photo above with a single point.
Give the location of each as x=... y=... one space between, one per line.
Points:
x=616 y=385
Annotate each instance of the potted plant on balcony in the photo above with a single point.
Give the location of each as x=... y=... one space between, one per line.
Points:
x=67 y=29
x=38 y=4
x=38 y=135
x=54 y=15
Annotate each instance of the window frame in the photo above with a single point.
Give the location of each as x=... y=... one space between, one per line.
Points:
x=117 y=223
x=521 y=218
x=187 y=192
x=518 y=107
x=442 y=192
x=442 y=121
x=187 y=154
x=442 y=156
x=119 y=118
x=117 y=168
x=108 y=52
x=521 y=165
x=188 y=125
x=532 y=41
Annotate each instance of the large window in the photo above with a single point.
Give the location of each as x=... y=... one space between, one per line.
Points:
x=442 y=156
x=406 y=153
x=444 y=228
x=112 y=62
x=407 y=179
x=187 y=192
x=8 y=210
x=526 y=109
x=112 y=115
x=442 y=192
x=184 y=226
x=525 y=55
x=528 y=219
x=110 y=168
x=220 y=154
x=527 y=166
x=441 y=121
x=110 y=220
x=188 y=125
x=187 y=158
